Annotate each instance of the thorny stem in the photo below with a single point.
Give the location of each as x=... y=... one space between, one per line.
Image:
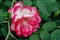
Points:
x=13 y=36
x=9 y=33
x=4 y=22
x=7 y=36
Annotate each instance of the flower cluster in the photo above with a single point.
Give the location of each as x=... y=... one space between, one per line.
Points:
x=25 y=19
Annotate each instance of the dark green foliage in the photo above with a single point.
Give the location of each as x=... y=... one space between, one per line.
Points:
x=4 y=29
x=49 y=26
x=34 y=37
x=7 y=3
x=55 y=35
x=46 y=6
x=0 y=0
x=3 y=15
x=44 y=35
x=49 y=10
x=27 y=2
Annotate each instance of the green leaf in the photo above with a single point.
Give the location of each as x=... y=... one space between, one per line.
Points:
x=57 y=13
x=10 y=38
x=45 y=7
x=7 y=3
x=0 y=0
x=55 y=35
x=27 y=2
x=21 y=38
x=4 y=7
x=3 y=15
x=4 y=29
x=34 y=37
x=44 y=35
x=43 y=12
x=49 y=26
x=4 y=32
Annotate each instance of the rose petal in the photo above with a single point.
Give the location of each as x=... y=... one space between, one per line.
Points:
x=12 y=27
x=18 y=4
x=18 y=30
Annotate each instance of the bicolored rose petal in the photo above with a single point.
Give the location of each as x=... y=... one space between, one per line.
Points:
x=12 y=27
x=18 y=30
x=18 y=4
x=26 y=29
x=32 y=21
x=11 y=12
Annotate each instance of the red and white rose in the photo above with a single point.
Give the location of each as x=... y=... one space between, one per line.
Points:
x=25 y=19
